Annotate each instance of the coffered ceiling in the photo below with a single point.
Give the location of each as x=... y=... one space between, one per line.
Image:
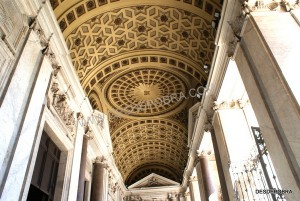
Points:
x=135 y=59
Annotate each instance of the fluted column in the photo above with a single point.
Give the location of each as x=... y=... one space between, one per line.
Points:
x=194 y=189
x=86 y=137
x=100 y=180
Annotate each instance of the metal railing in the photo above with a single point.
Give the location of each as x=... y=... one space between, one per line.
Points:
x=255 y=179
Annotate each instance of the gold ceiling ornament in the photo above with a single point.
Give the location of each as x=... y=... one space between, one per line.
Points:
x=135 y=59
x=144 y=92
x=148 y=141
x=99 y=75
x=72 y=13
x=118 y=31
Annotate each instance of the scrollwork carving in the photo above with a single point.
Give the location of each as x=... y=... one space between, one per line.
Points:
x=60 y=104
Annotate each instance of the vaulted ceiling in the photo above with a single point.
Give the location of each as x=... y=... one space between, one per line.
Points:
x=134 y=59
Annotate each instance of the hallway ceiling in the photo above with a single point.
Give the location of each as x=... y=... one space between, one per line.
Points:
x=128 y=55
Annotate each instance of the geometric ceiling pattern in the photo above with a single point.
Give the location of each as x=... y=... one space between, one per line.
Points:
x=137 y=61
x=135 y=28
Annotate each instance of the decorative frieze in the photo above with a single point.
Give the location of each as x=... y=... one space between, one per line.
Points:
x=60 y=103
x=36 y=27
x=236 y=27
x=234 y=104
x=45 y=43
x=57 y=98
x=133 y=198
x=268 y=5
x=248 y=6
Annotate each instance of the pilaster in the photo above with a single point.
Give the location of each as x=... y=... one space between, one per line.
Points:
x=272 y=96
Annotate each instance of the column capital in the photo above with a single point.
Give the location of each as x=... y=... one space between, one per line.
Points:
x=208 y=127
x=193 y=178
x=204 y=153
x=234 y=104
x=101 y=160
x=186 y=194
x=89 y=135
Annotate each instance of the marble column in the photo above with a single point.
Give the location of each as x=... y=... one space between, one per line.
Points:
x=220 y=169
x=207 y=175
x=100 y=180
x=194 y=189
x=86 y=137
x=200 y=178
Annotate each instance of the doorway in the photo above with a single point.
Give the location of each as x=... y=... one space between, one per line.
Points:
x=45 y=171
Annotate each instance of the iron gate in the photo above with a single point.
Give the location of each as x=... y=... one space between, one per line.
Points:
x=255 y=178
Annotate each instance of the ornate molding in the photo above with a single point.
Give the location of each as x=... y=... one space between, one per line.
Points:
x=208 y=127
x=236 y=27
x=60 y=103
x=193 y=178
x=89 y=135
x=196 y=161
x=187 y=194
x=102 y=161
x=36 y=27
x=204 y=153
x=264 y=5
x=251 y=6
x=45 y=44
x=234 y=104
x=133 y=198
